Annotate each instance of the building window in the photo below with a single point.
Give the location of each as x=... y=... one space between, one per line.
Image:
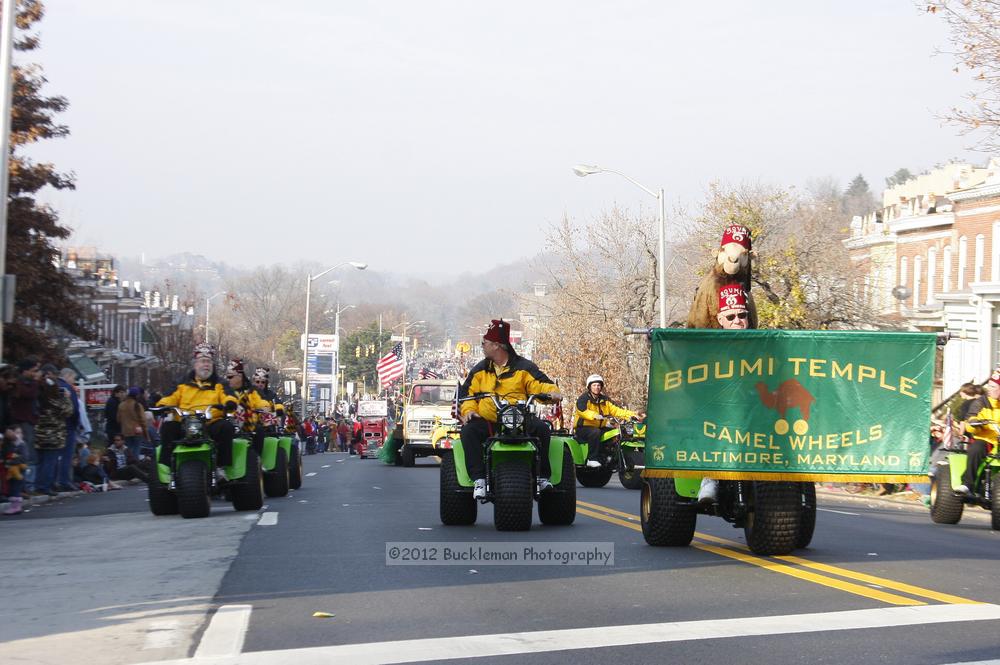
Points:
x=918 y=263
x=931 y=270
x=946 y=271
x=995 y=253
x=963 y=257
x=980 y=246
x=904 y=276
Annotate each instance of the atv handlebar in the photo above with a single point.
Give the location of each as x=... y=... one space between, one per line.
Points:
x=206 y=414
x=496 y=400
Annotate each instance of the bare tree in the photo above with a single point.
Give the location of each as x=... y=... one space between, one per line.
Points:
x=975 y=35
x=605 y=277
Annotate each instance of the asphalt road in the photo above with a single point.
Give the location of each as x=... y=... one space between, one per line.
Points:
x=100 y=575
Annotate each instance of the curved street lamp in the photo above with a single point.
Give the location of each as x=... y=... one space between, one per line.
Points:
x=584 y=170
x=305 y=339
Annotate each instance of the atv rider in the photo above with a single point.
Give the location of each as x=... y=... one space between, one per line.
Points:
x=262 y=383
x=508 y=376
x=250 y=400
x=200 y=389
x=734 y=314
x=592 y=408
x=982 y=429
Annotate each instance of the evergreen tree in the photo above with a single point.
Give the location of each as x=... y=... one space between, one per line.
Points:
x=858 y=198
x=899 y=177
x=858 y=187
x=359 y=354
x=44 y=292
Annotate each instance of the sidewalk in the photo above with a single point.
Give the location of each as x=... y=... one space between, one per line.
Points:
x=901 y=499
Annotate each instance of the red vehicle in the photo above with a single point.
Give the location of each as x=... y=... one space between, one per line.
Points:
x=374 y=418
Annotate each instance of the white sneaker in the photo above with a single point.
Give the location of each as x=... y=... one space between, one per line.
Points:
x=708 y=491
x=479 y=489
x=593 y=464
x=961 y=489
x=544 y=485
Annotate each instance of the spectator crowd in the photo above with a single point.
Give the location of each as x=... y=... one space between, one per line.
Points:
x=47 y=445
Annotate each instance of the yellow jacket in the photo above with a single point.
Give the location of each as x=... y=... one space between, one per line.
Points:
x=515 y=382
x=251 y=401
x=986 y=432
x=194 y=395
x=589 y=410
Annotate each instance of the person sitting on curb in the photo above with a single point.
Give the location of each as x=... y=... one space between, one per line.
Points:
x=95 y=477
x=121 y=464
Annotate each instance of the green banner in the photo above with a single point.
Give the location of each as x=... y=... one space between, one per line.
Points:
x=790 y=404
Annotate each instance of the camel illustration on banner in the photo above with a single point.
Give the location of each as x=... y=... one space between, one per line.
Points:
x=790 y=395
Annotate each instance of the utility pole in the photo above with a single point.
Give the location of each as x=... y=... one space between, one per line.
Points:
x=7 y=16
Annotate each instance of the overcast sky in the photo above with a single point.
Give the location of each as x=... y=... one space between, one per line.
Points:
x=410 y=134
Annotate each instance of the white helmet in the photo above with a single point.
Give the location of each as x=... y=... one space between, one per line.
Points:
x=595 y=378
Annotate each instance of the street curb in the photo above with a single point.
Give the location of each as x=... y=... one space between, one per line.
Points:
x=30 y=501
x=888 y=500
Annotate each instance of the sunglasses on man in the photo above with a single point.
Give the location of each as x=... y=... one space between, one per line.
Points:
x=737 y=315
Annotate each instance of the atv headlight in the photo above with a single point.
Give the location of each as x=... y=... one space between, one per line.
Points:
x=192 y=427
x=511 y=418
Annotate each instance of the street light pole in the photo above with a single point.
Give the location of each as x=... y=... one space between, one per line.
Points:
x=584 y=170
x=336 y=366
x=208 y=311
x=7 y=17
x=305 y=335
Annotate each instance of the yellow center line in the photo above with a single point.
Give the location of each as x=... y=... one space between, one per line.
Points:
x=841 y=585
x=746 y=557
x=881 y=581
x=855 y=575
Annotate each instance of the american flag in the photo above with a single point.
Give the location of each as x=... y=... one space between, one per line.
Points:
x=946 y=437
x=390 y=366
x=428 y=373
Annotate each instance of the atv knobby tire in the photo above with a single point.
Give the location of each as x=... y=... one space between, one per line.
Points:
x=772 y=525
x=295 y=469
x=407 y=455
x=248 y=491
x=946 y=506
x=807 y=519
x=667 y=518
x=457 y=506
x=598 y=477
x=161 y=500
x=193 y=498
x=631 y=479
x=277 y=481
x=995 y=501
x=557 y=507
x=513 y=496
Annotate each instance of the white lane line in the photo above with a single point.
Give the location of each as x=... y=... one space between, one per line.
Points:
x=163 y=634
x=839 y=512
x=225 y=633
x=325 y=466
x=267 y=519
x=310 y=474
x=510 y=644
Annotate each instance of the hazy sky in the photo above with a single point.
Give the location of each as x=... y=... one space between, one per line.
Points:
x=415 y=134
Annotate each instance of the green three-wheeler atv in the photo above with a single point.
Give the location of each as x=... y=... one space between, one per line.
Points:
x=512 y=461
x=188 y=484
